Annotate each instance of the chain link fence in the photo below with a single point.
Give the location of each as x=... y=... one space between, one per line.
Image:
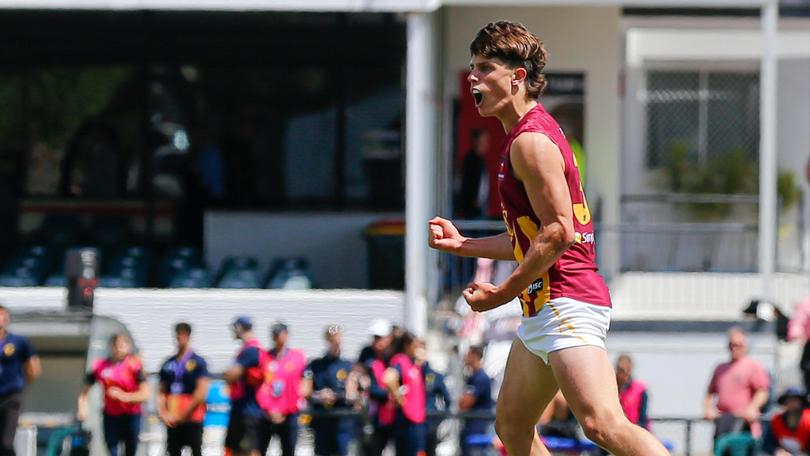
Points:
x=704 y=115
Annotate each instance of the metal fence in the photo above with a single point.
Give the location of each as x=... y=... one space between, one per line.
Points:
x=673 y=232
x=683 y=436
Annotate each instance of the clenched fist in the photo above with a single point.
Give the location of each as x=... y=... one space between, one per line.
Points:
x=444 y=236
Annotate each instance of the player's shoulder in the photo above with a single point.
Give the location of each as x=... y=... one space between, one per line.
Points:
x=134 y=362
x=531 y=143
x=166 y=363
x=198 y=359
x=17 y=339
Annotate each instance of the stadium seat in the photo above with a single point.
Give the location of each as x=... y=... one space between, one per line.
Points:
x=192 y=278
x=117 y=282
x=176 y=260
x=736 y=444
x=290 y=274
x=244 y=278
x=28 y=267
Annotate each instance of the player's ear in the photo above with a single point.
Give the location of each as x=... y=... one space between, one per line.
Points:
x=519 y=75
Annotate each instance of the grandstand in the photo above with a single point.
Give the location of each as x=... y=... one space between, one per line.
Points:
x=239 y=188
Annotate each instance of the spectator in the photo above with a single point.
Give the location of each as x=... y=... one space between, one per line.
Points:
x=473 y=196
x=740 y=387
x=380 y=332
x=438 y=399
x=280 y=395
x=557 y=420
x=381 y=410
x=20 y=367
x=477 y=397
x=799 y=330
x=122 y=377
x=790 y=428
x=406 y=388
x=632 y=393
x=183 y=387
x=331 y=386
x=243 y=436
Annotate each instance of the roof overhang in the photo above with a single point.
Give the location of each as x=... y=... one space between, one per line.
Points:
x=348 y=5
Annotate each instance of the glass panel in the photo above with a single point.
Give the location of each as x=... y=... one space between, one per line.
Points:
x=672 y=114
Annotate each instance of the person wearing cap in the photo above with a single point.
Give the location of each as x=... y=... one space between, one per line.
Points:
x=381 y=335
x=281 y=393
x=382 y=409
x=331 y=386
x=243 y=436
x=790 y=428
x=184 y=385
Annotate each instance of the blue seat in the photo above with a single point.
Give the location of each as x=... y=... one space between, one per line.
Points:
x=290 y=274
x=176 y=260
x=117 y=282
x=736 y=444
x=192 y=278
x=14 y=281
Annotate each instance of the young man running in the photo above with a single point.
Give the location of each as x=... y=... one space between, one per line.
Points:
x=566 y=305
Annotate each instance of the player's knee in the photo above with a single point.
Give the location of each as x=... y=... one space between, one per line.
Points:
x=509 y=430
x=602 y=429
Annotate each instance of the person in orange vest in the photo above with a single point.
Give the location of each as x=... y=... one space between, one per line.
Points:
x=405 y=382
x=632 y=393
x=121 y=375
x=184 y=382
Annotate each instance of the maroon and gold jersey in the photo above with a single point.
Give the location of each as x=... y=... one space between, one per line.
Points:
x=575 y=274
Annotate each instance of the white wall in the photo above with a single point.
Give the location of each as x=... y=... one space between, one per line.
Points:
x=150 y=315
x=333 y=243
x=579 y=39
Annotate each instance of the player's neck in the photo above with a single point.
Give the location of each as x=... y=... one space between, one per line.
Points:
x=183 y=351
x=511 y=114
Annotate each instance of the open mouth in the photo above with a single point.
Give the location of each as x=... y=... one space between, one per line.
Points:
x=479 y=97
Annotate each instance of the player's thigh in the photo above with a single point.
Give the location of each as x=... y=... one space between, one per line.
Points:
x=587 y=381
x=528 y=386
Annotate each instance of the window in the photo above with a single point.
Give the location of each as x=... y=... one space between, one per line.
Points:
x=710 y=113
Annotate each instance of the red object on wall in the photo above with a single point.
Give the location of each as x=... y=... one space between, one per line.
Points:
x=469 y=119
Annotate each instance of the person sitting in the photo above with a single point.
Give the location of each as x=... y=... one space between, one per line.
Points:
x=790 y=428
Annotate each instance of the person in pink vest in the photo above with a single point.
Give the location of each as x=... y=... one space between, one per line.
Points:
x=382 y=409
x=122 y=378
x=281 y=395
x=632 y=393
x=406 y=385
x=741 y=388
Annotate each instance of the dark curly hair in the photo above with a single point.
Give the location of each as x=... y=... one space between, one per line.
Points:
x=513 y=43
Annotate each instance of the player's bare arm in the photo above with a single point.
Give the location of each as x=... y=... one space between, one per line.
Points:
x=538 y=164
x=444 y=236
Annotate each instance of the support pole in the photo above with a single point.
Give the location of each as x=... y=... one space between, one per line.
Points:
x=420 y=147
x=767 y=149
